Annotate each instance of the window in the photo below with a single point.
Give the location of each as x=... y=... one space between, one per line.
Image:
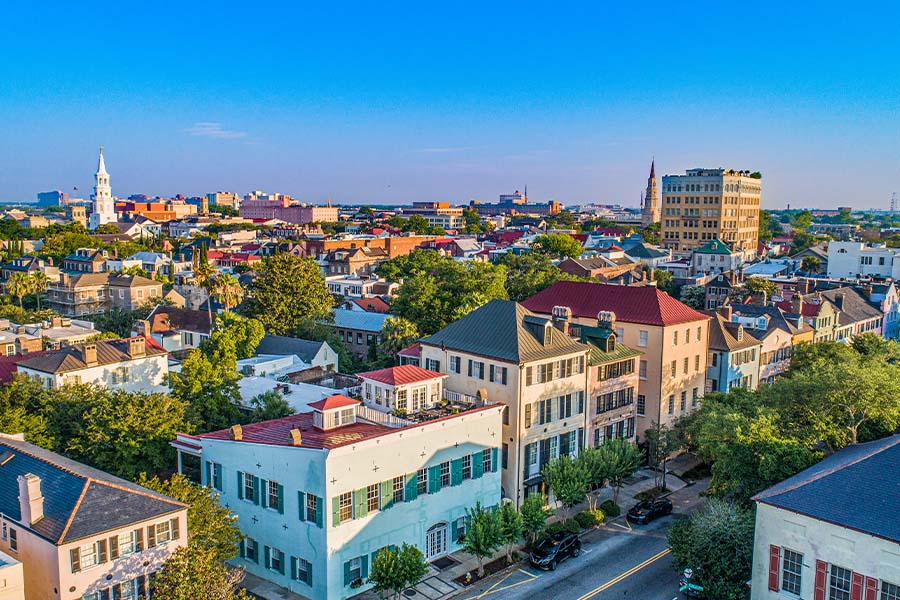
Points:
x=372 y=497
x=686 y=363
x=163 y=532
x=498 y=375
x=90 y=555
x=13 y=540
x=672 y=404
x=422 y=482
x=839 y=583
x=312 y=506
x=643 y=336
x=791 y=571
x=528 y=375
x=683 y=401
x=694 y=396
x=399 y=487
x=697 y=362
x=346 y=506
x=454 y=364
x=216 y=471
x=890 y=591
x=641 y=404
x=125 y=544
x=486 y=464
x=276 y=560
x=355 y=569
x=400 y=400
x=445 y=474
x=248 y=487
x=674 y=368
x=467 y=466
x=687 y=336
x=272 y=495
x=504 y=456
x=642 y=373
x=304 y=571
x=674 y=338
x=460 y=530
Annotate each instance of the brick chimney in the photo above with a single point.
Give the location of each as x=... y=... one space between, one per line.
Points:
x=839 y=300
x=237 y=433
x=31 y=501
x=137 y=347
x=725 y=311
x=797 y=304
x=89 y=354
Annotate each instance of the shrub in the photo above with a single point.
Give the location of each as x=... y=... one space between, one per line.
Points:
x=589 y=518
x=651 y=494
x=610 y=508
x=570 y=526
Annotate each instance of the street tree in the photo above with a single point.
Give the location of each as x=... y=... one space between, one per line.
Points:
x=568 y=480
x=286 y=290
x=395 y=569
x=194 y=572
x=534 y=516
x=484 y=534
x=512 y=527
x=661 y=442
x=619 y=459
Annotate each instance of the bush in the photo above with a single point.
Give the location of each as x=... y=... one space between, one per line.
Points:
x=651 y=494
x=570 y=526
x=589 y=518
x=610 y=508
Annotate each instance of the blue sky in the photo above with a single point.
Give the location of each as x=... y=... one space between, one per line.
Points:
x=395 y=102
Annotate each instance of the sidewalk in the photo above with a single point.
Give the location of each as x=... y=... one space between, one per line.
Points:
x=439 y=583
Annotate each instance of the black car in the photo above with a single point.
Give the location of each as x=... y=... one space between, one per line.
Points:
x=556 y=548
x=649 y=510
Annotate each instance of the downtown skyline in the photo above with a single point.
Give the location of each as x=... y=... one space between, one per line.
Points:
x=406 y=104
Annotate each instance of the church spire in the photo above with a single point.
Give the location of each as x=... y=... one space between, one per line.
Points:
x=653 y=168
x=101 y=166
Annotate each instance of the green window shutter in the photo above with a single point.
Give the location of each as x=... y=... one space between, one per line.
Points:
x=364 y=566
x=268 y=556
x=281 y=564
x=243 y=546
x=387 y=494
x=240 y=477
x=336 y=511
x=412 y=487
x=301 y=500
x=293 y=567
x=360 y=508
x=456 y=471
x=434 y=479
x=280 y=498
x=255 y=551
x=347 y=573
x=320 y=503
x=255 y=489
x=309 y=574
x=453 y=532
x=494 y=462
x=477 y=466
x=263 y=492
x=208 y=474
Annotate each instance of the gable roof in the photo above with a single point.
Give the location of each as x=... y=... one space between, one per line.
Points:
x=334 y=401
x=723 y=335
x=373 y=304
x=79 y=501
x=830 y=490
x=643 y=250
x=361 y=320
x=305 y=350
x=504 y=330
x=645 y=305
x=853 y=305
x=401 y=375
x=70 y=358
x=715 y=246
x=171 y=318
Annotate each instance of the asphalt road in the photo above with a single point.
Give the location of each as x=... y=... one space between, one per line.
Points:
x=617 y=562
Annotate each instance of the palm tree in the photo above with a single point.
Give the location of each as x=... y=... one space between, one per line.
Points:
x=810 y=264
x=204 y=274
x=18 y=285
x=227 y=290
x=39 y=283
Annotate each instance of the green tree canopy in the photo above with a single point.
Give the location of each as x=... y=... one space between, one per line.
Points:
x=209 y=388
x=396 y=334
x=619 y=459
x=269 y=405
x=194 y=572
x=534 y=516
x=484 y=534
x=568 y=480
x=511 y=526
x=529 y=273
x=395 y=569
x=286 y=290
x=557 y=245
x=233 y=334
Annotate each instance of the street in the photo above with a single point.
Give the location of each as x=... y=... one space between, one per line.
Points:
x=617 y=562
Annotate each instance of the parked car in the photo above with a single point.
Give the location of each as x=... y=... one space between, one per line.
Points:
x=555 y=549
x=649 y=510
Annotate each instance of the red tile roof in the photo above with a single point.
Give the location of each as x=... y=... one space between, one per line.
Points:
x=645 y=305
x=374 y=304
x=8 y=364
x=333 y=402
x=413 y=350
x=401 y=375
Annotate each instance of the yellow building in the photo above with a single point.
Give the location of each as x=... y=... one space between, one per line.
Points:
x=710 y=204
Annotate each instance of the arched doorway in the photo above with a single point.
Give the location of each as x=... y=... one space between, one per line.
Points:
x=436 y=541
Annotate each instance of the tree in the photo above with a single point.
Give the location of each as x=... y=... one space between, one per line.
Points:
x=765 y=231
x=756 y=286
x=802 y=220
x=396 y=334
x=210 y=389
x=511 y=525
x=557 y=245
x=37 y=283
x=661 y=442
x=568 y=480
x=663 y=280
x=269 y=405
x=204 y=274
x=529 y=273
x=233 y=333
x=227 y=290
x=194 y=572
x=810 y=264
x=394 y=570
x=801 y=242
x=483 y=534
x=211 y=526
x=417 y=262
x=716 y=542
x=119 y=320
x=534 y=516
x=694 y=296
x=18 y=285
x=873 y=345
x=620 y=459
x=286 y=290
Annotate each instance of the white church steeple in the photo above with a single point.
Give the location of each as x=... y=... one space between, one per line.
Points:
x=104 y=210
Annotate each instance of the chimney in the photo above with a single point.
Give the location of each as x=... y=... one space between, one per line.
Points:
x=296 y=438
x=797 y=304
x=725 y=311
x=63 y=278
x=839 y=300
x=89 y=354
x=137 y=347
x=561 y=317
x=31 y=502
x=606 y=319
x=237 y=433
x=56 y=322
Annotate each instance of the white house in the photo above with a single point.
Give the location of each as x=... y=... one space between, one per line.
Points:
x=832 y=531
x=319 y=493
x=855 y=259
x=133 y=364
x=407 y=388
x=310 y=353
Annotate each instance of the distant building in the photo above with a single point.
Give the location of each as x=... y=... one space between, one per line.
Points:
x=77 y=213
x=650 y=200
x=861 y=259
x=229 y=199
x=360 y=330
x=710 y=204
x=715 y=257
x=283 y=209
x=514 y=204
x=104 y=210
x=439 y=214
x=734 y=355
x=54 y=198
x=91 y=293
x=86 y=260
x=819 y=536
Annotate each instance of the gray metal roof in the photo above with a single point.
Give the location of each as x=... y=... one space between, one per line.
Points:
x=360 y=320
x=857 y=487
x=305 y=350
x=79 y=501
x=507 y=331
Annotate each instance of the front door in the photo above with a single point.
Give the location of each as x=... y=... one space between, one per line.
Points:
x=436 y=541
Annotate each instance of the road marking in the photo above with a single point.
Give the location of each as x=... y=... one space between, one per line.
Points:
x=624 y=575
x=494 y=589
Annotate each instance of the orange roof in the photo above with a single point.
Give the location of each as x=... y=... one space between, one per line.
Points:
x=401 y=375
x=333 y=402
